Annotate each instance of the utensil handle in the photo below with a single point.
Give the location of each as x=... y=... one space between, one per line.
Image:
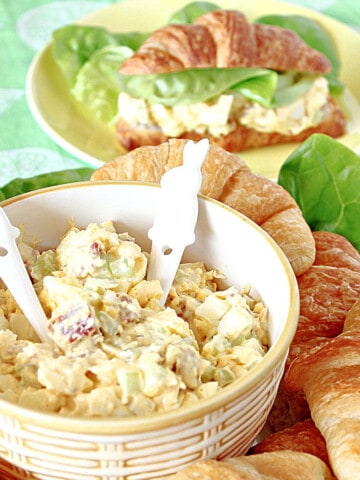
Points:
x=16 y=278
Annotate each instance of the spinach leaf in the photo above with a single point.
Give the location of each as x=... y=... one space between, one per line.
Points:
x=23 y=185
x=192 y=11
x=323 y=176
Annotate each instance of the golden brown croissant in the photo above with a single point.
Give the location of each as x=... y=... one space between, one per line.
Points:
x=329 y=376
x=279 y=465
x=352 y=320
x=327 y=293
x=328 y=290
x=334 y=250
x=228 y=179
x=299 y=437
x=225 y=39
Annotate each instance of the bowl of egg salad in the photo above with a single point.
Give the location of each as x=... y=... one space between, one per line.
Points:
x=127 y=388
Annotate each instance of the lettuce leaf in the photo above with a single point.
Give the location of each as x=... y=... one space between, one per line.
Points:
x=23 y=185
x=290 y=87
x=315 y=36
x=323 y=176
x=74 y=45
x=96 y=84
x=198 y=85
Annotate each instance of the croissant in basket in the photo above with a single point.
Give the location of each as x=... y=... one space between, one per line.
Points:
x=187 y=100
x=279 y=465
x=228 y=179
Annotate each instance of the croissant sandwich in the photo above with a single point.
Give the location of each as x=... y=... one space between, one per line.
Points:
x=226 y=79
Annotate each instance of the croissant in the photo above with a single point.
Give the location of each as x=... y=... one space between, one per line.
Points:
x=329 y=376
x=230 y=40
x=300 y=437
x=225 y=39
x=327 y=290
x=279 y=465
x=352 y=320
x=335 y=250
x=228 y=179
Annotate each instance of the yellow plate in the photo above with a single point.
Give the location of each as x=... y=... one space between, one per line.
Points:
x=81 y=134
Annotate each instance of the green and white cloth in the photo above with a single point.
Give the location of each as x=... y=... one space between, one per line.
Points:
x=25 y=27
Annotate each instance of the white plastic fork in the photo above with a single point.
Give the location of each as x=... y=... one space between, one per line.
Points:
x=14 y=275
x=175 y=221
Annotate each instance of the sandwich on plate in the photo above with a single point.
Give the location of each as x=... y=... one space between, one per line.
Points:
x=241 y=84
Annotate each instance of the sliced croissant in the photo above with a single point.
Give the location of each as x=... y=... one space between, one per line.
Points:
x=279 y=465
x=241 y=138
x=228 y=179
x=225 y=39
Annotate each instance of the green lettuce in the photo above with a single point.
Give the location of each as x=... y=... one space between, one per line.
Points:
x=198 y=85
x=96 y=84
x=23 y=185
x=323 y=176
x=74 y=45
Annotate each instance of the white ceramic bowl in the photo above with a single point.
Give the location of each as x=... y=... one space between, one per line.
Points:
x=153 y=447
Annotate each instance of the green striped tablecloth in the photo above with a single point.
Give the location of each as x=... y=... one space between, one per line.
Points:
x=25 y=26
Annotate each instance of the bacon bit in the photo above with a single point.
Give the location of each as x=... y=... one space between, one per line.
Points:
x=81 y=328
x=76 y=330
x=95 y=249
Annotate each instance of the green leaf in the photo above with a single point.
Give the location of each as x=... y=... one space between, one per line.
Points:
x=23 y=185
x=323 y=176
x=132 y=40
x=192 y=11
x=315 y=36
x=290 y=87
x=198 y=85
x=96 y=84
x=74 y=45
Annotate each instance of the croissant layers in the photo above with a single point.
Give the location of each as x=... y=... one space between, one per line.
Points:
x=225 y=39
x=227 y=178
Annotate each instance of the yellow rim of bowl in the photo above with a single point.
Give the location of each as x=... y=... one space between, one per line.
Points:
x=126 y=425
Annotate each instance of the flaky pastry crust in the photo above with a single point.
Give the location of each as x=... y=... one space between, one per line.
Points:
x=279 y=465
x=227 y=178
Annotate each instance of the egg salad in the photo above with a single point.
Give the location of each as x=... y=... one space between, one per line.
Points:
x=220 y=115
x=114 y=349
